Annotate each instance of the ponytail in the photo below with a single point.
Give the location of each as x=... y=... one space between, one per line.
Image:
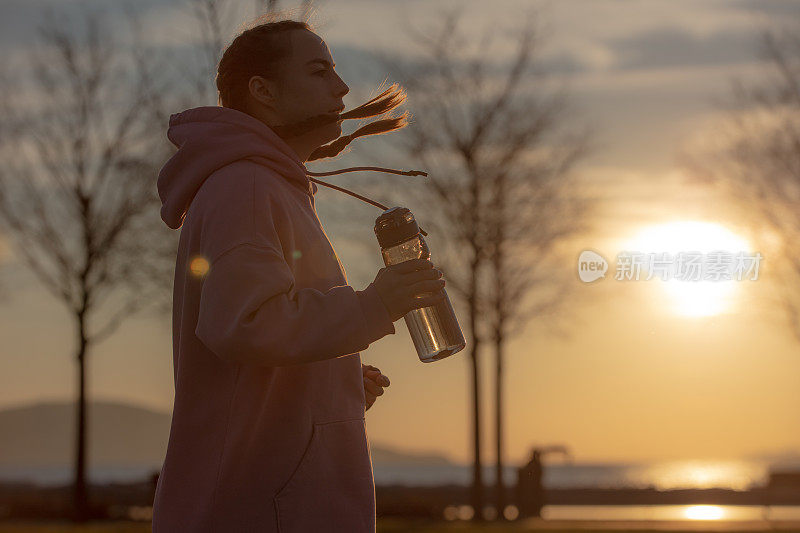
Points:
x=386 y=101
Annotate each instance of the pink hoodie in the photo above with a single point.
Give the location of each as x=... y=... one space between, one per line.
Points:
x=268 y=430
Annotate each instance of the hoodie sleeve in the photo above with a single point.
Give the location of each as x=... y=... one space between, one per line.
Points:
x=251 y=313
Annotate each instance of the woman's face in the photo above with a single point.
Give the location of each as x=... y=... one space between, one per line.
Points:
x=309 y=87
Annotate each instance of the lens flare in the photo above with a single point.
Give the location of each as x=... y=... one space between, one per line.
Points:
x=199 y=266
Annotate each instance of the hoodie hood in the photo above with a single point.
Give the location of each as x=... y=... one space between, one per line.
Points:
x=211 y=137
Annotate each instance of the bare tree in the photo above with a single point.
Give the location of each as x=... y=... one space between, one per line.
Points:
x=534 y=207
x=271 y=6
x=753 y=155
x=214 y=23
x=77 y=187
x=497 y=181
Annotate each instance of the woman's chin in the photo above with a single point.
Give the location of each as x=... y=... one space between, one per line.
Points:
x=336 y=132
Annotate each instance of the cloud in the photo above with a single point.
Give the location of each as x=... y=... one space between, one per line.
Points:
x=778 y=9
x=19 y=19
x=671 y=46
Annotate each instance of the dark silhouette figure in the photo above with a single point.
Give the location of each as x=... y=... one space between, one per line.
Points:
x=530 y=491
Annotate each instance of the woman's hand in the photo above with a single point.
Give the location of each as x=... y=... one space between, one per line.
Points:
x=374 y=382
x=409 y=285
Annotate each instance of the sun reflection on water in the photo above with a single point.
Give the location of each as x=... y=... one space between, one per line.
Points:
x=699 y=474
x=704 y=512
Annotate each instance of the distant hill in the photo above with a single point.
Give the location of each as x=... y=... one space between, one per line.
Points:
x=119 y=434
x=385 y=456
x=42 y=435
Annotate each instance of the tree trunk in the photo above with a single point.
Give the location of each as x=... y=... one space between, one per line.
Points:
x=500 y=488
x=80 y=502
x=477 y=473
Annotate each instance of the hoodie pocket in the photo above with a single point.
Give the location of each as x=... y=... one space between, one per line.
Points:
x=332 y=488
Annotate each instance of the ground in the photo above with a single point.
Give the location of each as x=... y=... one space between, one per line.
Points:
x=408 y=526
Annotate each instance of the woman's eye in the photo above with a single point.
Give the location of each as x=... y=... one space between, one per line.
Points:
x=320 y=72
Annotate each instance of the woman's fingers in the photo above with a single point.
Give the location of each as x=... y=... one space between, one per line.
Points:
x=372 y=387
x=428 y=285
x=377 y=377
x=374 y=373
x=421 y=275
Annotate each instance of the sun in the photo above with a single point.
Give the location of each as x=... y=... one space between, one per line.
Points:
x=692 y=298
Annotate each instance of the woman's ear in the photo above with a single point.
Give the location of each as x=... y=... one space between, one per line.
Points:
x=263 y=90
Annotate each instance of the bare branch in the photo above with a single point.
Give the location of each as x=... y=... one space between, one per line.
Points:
x=755 y=156
x=69 y=206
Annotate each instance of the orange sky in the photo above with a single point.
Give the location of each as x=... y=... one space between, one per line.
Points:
x=634 y=380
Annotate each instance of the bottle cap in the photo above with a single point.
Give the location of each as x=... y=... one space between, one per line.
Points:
x=394 y=226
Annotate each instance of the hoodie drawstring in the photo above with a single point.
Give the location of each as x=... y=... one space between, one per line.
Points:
x=377 y=169
x=360 y=197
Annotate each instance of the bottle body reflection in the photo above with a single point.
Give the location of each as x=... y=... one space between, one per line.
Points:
x=434 y=330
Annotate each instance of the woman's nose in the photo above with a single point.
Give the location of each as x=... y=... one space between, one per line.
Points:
x=342 y=87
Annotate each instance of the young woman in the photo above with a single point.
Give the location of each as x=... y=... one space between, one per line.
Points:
x=268 y=430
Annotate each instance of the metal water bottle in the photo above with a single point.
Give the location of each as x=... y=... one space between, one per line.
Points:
x=434 y=330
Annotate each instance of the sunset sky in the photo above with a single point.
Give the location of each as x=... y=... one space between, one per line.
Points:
x=637 y=377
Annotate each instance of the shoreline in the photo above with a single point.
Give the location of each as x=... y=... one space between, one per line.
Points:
x=28 y=500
